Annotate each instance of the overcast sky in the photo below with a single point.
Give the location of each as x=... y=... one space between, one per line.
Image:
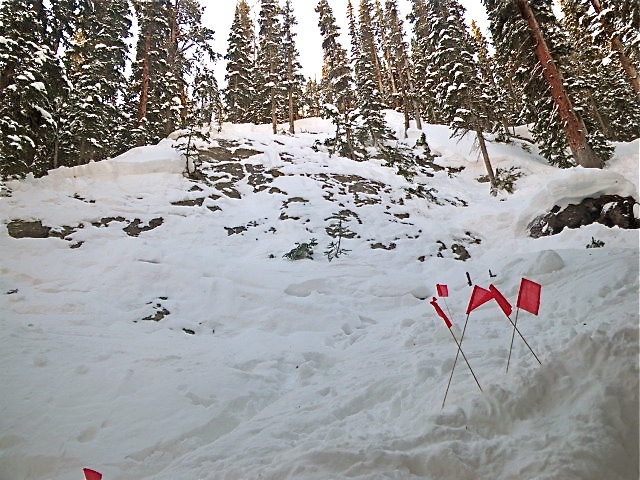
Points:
x=219 y=16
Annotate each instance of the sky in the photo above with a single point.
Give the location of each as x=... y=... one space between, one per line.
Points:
x=220 y=17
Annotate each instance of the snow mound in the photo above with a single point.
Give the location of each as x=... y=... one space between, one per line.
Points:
x=161 y=158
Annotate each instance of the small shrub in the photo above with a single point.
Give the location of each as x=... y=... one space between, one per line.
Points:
x=301 y=251
x=505 y=178
x=595 y=243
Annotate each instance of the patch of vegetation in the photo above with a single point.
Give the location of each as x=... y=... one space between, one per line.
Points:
x=338 y=231
x=505 y=178
x=302 y=251
x=595 y=243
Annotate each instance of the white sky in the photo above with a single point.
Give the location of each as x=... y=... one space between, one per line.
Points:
x=219 y=16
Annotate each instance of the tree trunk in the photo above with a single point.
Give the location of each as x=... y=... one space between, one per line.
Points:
x=172 y=56
x=487 y=160
x=292 y=127
x=573 y=126
x=144 y=88
x=616 y=44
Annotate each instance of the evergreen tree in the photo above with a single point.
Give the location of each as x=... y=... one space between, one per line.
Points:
x=270 y=64
x=527 y=33
x=336 y=84
x=400 y=68
x=420 y=52
x=461 y=93
x=32 y=90
x=292 y=80
x=153 y=84
x=312 y=106
x=373 y=130
x=619 y=24
x=240 y=66
x=96 y=61
x=597 y=80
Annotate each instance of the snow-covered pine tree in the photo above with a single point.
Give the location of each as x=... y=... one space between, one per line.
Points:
x=312 y=106
x=597 y=80
x=32 y=90
x=337 y=83
x=97 y=55
x=400 y=68
x=372 y=130
x=152 y=82
x=420 y=51
x=619 y=24
x=270 y=71
x=292 y=78
x=529 y=33
x=461 y=93
x=240 y=66
x=495 y=89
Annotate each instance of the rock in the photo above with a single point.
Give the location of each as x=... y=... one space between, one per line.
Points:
x=609 y=210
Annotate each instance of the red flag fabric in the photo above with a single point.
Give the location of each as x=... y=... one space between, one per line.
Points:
x=479 y=296
x=91 y=474
x=443 y=290
x=529 y=296
x=503 y=302
x=440 y=313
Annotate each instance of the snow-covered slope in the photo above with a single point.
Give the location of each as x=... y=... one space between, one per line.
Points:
x=166 y=337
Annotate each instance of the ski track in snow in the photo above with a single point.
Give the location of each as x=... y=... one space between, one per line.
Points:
x=310 y=369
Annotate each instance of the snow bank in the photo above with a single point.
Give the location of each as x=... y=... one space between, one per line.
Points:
x=161 y=158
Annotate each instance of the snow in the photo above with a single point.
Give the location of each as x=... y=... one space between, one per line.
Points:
x=310 y=369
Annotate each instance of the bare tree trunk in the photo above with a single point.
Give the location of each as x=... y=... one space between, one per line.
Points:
x=573 y=126
x=616 y=44
x=487 y=160
x=172 y=56
x=292 y=127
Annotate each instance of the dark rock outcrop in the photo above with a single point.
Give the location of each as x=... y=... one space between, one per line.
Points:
x=609 y=210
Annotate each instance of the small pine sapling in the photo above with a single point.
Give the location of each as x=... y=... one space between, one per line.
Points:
x=302 y=251
x=338 y=231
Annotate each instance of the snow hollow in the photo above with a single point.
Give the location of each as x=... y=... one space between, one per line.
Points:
x=155 y=330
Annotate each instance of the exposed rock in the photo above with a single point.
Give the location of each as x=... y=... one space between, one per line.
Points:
x=609 y=210
x=134 y=229
x=23 y=229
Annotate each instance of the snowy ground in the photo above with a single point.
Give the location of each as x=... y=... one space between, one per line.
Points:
x=262 y=367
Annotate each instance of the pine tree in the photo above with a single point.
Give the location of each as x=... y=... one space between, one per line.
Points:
x=461 y=93
x=336 y=84
x=292 y=79
x=97 y=56
x=529 y=33
x=270 y=64
x=619 y=23
x=240 y=66
x=420 y=52
x=153 y=84
x=373 y=130
x=312 y=106
x=32 y=90
x=400 y=68
x=597 y=80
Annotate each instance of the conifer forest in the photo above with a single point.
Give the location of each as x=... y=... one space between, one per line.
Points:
x=86 y=80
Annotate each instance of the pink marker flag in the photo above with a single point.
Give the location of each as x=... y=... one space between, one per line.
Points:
x=479 y=296
x=440 y=313
x=529 y=296
x=91 y=474
x=503 y=302
x=443 y=290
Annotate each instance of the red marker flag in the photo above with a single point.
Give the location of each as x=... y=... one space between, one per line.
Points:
x=91 y=474
x=479 y=296
x=529 y=296
x=440 y=313
x=443 y=290
x=503 y=302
